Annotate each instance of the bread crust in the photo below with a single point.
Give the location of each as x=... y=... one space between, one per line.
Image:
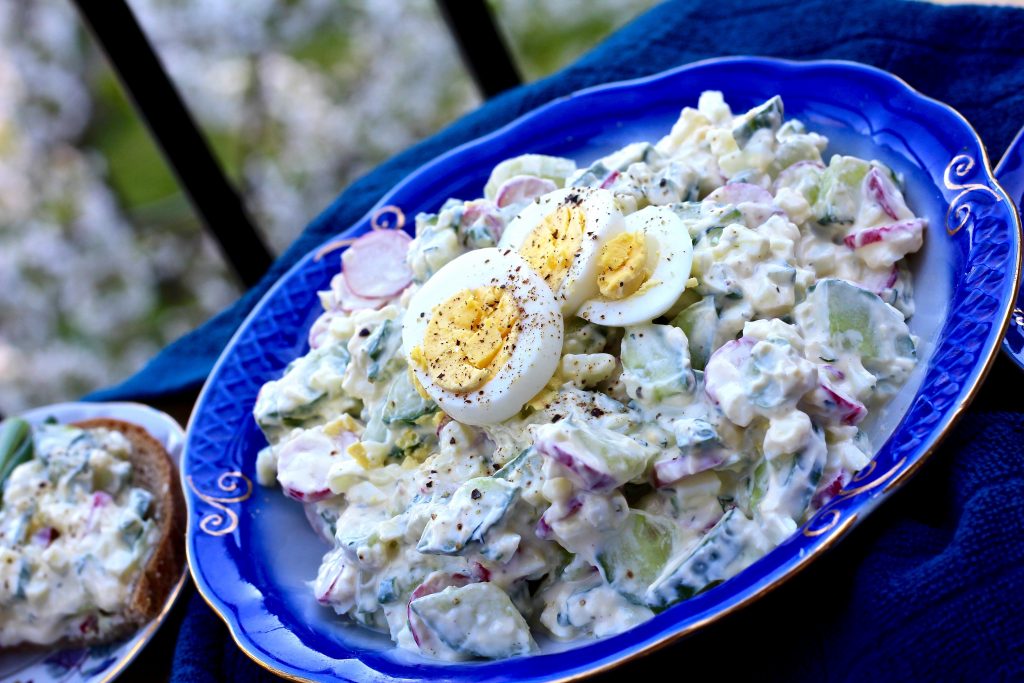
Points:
x=155 y=471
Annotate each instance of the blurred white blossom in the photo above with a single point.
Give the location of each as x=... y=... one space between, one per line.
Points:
x=300 y=98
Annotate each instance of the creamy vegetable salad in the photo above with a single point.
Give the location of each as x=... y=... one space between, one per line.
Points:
x=595 y=391
x=74 y=534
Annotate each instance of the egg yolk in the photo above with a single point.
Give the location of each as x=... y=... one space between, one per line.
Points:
x=469 y=338
x=622 y=265
x=552 y=245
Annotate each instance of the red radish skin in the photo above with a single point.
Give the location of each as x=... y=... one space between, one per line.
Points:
x=589 y=478
x=348 y=301
x=881 y=192
x=324 y=598
x=863 y=238
x=307 y=496
x=483 y=211
x=833 y=407
x=522 y=188
x=610 y=180
x=894 y=275
x=374 y=266
x=435 y=583
x=544 y=530
x=735 y=352
x=91 y=624
x=100 y=499
x=671 y=470
x=851 y=412
x=830 y=490
x=739 y=193
x=307 y=482
x=318 y=333
x=755 y=203
x=874 y=281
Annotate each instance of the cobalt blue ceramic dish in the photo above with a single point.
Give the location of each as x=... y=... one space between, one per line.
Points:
x=251 y=551
x=1010 y=174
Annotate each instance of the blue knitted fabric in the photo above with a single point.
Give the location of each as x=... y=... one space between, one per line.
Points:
x=931 y=586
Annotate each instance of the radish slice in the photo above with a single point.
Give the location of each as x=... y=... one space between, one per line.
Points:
x=486 y=212
x=348 y=301
x=481 y=209
x=374 y=266
x=754 y=202
x=589 y=474
x=671 y=469
x=522 y=188
x=318 y=333
x=741 y=193
x=882 y=191
x=910 y=229
x=832 y=407
x=435 y=583
x=879 y=281
x=303 y=464
x=555 y=514
x=830 y=490
x=610 y=180
x=726 y=363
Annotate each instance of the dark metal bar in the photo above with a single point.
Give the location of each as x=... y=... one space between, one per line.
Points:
x=480 y=43
x=186 y=150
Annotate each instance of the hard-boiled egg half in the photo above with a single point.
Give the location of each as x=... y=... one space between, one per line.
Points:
x=642 y=271
x=483 y=335
x=560 y=234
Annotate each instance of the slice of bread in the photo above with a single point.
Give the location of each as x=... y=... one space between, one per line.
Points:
x=154 y=471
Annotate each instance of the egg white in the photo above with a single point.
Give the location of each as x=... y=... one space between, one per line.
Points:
x=669 y=258
x=538 y=346
x=603 y=220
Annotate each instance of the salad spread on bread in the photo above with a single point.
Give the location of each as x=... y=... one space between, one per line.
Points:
x=595 y=391
x=76 y=533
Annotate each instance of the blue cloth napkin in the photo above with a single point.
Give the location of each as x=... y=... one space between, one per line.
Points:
x=930 y=586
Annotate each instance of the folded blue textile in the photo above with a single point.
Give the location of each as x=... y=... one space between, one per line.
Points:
x=932 y=585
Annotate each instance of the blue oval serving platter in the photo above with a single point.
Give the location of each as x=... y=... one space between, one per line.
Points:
x=252 y=552
x=1010 y=174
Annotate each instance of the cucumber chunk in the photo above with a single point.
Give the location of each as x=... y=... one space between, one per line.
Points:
x=784 y=486
x=768 y=115
x=16 y=446
x=728 y=547
x=656 y=363
x=467 y=516
x=636 y=554
x=403 y=403
x=700 y=324
x=380 y=348
x=477 y=620
x=855 y=320
x=295 y=399
x=839 y=192
x=595 y=458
